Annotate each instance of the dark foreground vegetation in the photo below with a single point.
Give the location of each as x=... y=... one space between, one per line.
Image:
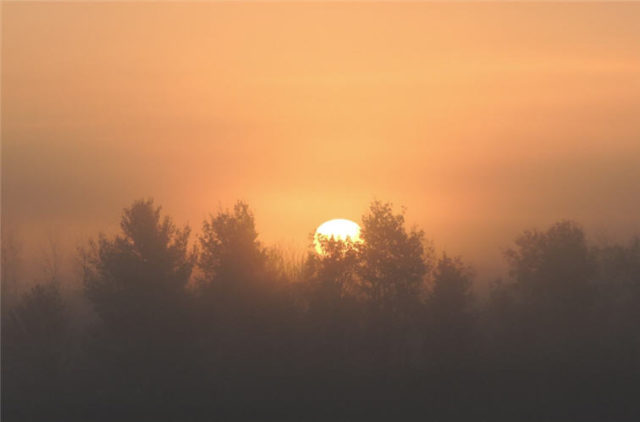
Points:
x=386 y=329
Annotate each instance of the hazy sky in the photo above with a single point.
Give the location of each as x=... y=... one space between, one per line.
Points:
x=482 y=119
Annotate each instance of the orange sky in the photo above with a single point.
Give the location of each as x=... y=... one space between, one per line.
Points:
x=482 y=119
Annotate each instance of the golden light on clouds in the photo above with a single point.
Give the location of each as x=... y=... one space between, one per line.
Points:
x=481 y=119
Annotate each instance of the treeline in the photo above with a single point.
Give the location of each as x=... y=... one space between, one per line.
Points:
x=223 y=327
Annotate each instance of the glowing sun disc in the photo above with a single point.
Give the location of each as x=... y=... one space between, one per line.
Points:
x=339 y=229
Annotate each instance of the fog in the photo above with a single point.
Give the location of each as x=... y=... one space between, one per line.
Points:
x=489 y=151
x=481 y=119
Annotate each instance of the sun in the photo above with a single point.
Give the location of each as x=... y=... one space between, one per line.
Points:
x=339 y=229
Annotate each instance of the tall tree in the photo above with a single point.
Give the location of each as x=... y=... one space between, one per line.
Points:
x=394 y=261
x=35 y=345
x=450 y=312
x=392 y=270
x=230 y=253
x=554 y=273
x=141 y=272
x=618 y=293
x=242 y=305
x=332 y=302
x=136 y=282
x=553 y=268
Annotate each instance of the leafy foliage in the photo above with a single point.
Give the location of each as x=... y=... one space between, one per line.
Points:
x=393 y=266
x=377 y=322
x=142 y=271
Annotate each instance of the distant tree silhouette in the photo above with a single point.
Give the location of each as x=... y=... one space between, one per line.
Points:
x=136 y=282
x=372 y=327
x=35 y=344
x=333 y=273
x=618 y=292
x=451 y=295
x=231 y=256
x=243 y=307
x=149 y=265
x=332 y=301
x=9 y=269
x=554 y=273
x=393 y=265
x=502 y=329
x=392 y=271
x=553 y=267
x=450 y=313
x=619 y=273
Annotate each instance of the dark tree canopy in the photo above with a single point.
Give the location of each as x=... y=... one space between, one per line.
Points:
x=377 y=325
x=393 y=262
x=450 y=312
x=141 y=272
x=230 y=251
x=553 y=267
x=334 y=271
x=451 y=294
x=39 y=320
x=35 y=343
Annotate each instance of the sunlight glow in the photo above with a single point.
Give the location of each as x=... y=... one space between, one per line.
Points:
x=340 y=229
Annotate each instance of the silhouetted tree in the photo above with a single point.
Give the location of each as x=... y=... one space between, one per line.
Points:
x=136 y=282
x=230 y=250
x=332 y=274
x=392 y=271
x=553 y=267
x=618 y=293
x=554 y=273
x=450 y=313
x=376 y=322
x=35 y=339
x=394 y=262
x=502 y=334
x=333 y=306
x=146 y=269
x=618 y=276
x=9 y=269
x=243 y=305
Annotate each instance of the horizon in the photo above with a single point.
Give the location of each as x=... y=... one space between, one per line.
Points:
x=458 y=112
x=320 y=210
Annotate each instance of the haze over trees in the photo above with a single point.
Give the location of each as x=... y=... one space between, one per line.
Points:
x=215 y=326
